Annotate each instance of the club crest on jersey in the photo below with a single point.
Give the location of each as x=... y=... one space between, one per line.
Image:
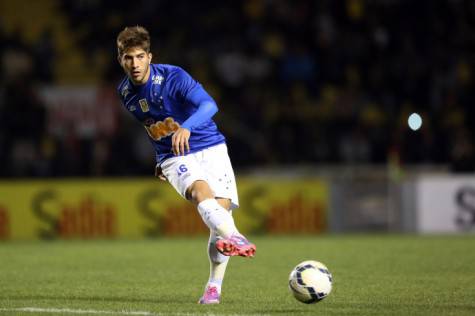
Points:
x=157 y=79
x=144 y=105
x=162 y=128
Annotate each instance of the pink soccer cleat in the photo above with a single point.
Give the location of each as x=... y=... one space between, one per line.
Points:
x=211 y=296
x=236 y=245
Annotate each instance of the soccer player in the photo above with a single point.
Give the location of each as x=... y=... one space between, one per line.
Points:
x=191 y=153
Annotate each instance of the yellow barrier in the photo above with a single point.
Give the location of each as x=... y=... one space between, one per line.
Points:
x=138 y=208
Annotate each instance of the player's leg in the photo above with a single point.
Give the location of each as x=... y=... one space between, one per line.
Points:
x=215 y=216
x=217 y=265
x=187 y=175
x=190 y=179
x=202 y=176
x=220 y=220
x=220 y=178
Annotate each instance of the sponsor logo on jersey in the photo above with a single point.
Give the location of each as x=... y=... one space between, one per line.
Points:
x=162 y=128
x=144 y=105
x=157 y=79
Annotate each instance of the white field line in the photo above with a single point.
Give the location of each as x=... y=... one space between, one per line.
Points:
x=104 y=312
x=73 y=311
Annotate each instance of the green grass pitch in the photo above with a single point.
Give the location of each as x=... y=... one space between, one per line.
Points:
x=373 y=275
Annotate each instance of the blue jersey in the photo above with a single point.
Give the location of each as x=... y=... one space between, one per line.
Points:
x=162 y=104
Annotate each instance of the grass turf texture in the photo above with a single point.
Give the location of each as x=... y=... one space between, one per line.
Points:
x=373 y=275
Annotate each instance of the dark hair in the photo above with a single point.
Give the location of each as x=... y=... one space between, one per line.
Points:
x=134 y=36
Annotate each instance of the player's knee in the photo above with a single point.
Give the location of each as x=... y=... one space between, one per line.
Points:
x=199 y=191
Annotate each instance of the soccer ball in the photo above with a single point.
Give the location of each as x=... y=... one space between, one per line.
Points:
x=310 y=282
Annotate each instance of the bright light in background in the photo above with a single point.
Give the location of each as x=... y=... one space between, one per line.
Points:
x=414 y=121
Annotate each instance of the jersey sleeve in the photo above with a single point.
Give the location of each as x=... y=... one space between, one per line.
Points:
x=205 y=111
x=184 y=88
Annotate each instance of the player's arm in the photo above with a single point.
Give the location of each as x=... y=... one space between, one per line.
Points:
x=191 y=92
x=206 y=109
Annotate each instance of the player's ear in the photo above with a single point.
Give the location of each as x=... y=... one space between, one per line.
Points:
x=119 y=60
x=150 y=58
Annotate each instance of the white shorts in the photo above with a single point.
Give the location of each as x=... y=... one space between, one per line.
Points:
x=211 y=165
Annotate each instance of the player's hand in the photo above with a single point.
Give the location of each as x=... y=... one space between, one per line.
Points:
x=180 y=142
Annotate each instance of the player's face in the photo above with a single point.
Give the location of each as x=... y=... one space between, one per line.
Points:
x=136 y=64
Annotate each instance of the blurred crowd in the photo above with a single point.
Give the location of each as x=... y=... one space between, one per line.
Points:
x=297 y=82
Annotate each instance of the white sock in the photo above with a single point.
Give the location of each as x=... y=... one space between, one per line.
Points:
x=217 y=263
x=217 y=218
x=216 y=283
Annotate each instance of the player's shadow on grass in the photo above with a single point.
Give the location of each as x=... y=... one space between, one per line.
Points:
x=117 y=299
